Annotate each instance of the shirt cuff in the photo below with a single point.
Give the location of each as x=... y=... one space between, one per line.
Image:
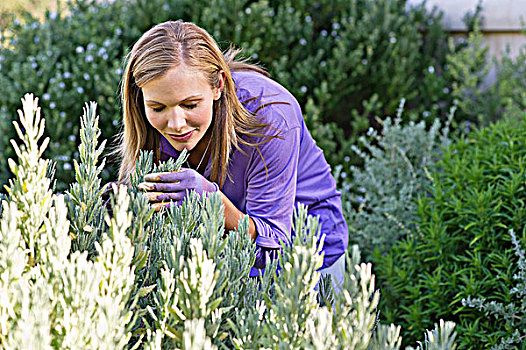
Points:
x=267 y=243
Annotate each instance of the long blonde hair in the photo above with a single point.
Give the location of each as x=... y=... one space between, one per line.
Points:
x=161 y=48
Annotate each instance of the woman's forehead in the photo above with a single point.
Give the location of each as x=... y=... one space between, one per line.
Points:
x=177 y=84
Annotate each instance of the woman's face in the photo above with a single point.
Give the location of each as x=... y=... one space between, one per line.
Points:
x=179 y=105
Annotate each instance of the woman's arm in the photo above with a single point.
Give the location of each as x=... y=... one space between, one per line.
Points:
x=233 y=215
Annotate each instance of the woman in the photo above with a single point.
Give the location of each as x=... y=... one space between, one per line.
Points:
x=245 y=136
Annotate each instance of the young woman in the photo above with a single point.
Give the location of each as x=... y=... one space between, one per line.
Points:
x=245 y=136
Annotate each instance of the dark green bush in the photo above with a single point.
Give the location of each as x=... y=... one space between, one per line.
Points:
x=461 y=246
x=346 y=61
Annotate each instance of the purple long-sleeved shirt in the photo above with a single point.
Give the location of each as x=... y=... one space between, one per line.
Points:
x=297 y=172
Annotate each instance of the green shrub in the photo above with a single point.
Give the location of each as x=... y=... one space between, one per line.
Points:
x=346 y=61
x=167 y=279
x=461 y=246
x=514 y=313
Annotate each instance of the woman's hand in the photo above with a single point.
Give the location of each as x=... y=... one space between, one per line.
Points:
x=162 y=188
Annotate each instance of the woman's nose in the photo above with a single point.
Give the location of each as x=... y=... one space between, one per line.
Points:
x=176 y=119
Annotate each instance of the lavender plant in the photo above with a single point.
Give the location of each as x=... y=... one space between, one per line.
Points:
x=51 y=298
x=86 y=211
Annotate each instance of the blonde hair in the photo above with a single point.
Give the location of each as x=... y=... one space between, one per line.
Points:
x=166 y=46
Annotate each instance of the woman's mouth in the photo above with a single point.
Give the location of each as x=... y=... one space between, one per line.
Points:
x=181 y=137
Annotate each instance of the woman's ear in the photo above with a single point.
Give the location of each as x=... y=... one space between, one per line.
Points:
x=219 y=89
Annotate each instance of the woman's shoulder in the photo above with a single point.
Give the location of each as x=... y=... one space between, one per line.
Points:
x=266 y=97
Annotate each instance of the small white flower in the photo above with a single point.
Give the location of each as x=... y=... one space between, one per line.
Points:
x=46 y=97
x=66 y=166
x=72 y=138
x=336 y=26
x=426 y=114
x=34 y=25
x=86 y=76
x=446 y=90
x=34 y=65
x=392 y=40
x=323 y=32
x=79 y=49
x=248 y=10
x=118 y=71
x=166 y=7
x=271 y=13
x=370 y=131
x=323 y=63
x=255 y=56
x=91 y=46
x=118 y=31
x=66 y=75
x=106 y=43
x=334 y=33
x=346 y=158
x=303 y=42
x=431 y=69
x=364 y=61
x=52 y=15
x=105 y=57
x=52 y=105
x=115 y=122
x=16 y=22
x=61 y=85
x=308 y=19
x=89 y=58
x=62 y=114
x=80 y=90
x=303 y=89
x=49 y=53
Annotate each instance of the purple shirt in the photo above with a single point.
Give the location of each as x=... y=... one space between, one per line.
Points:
x=297 y=172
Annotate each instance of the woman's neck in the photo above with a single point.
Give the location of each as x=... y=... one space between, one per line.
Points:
x=198 y=159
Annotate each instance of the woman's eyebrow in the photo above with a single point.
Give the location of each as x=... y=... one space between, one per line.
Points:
x=193 y=97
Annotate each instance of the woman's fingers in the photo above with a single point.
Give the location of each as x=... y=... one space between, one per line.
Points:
x=172 y=176
x=164 y=196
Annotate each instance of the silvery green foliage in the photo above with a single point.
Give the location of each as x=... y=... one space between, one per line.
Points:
x=294 y=318
x=145 y=165
x=395 y=170
x=386 y=338
x=29 y=189
x=514 y=313
x=441 y=338
x=85 y=204
x=51 y=298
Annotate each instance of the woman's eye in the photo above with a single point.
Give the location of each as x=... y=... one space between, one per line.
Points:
x=191 y=106
x=157 y=109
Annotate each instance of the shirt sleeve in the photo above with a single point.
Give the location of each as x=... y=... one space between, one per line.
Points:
x=271 y=193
